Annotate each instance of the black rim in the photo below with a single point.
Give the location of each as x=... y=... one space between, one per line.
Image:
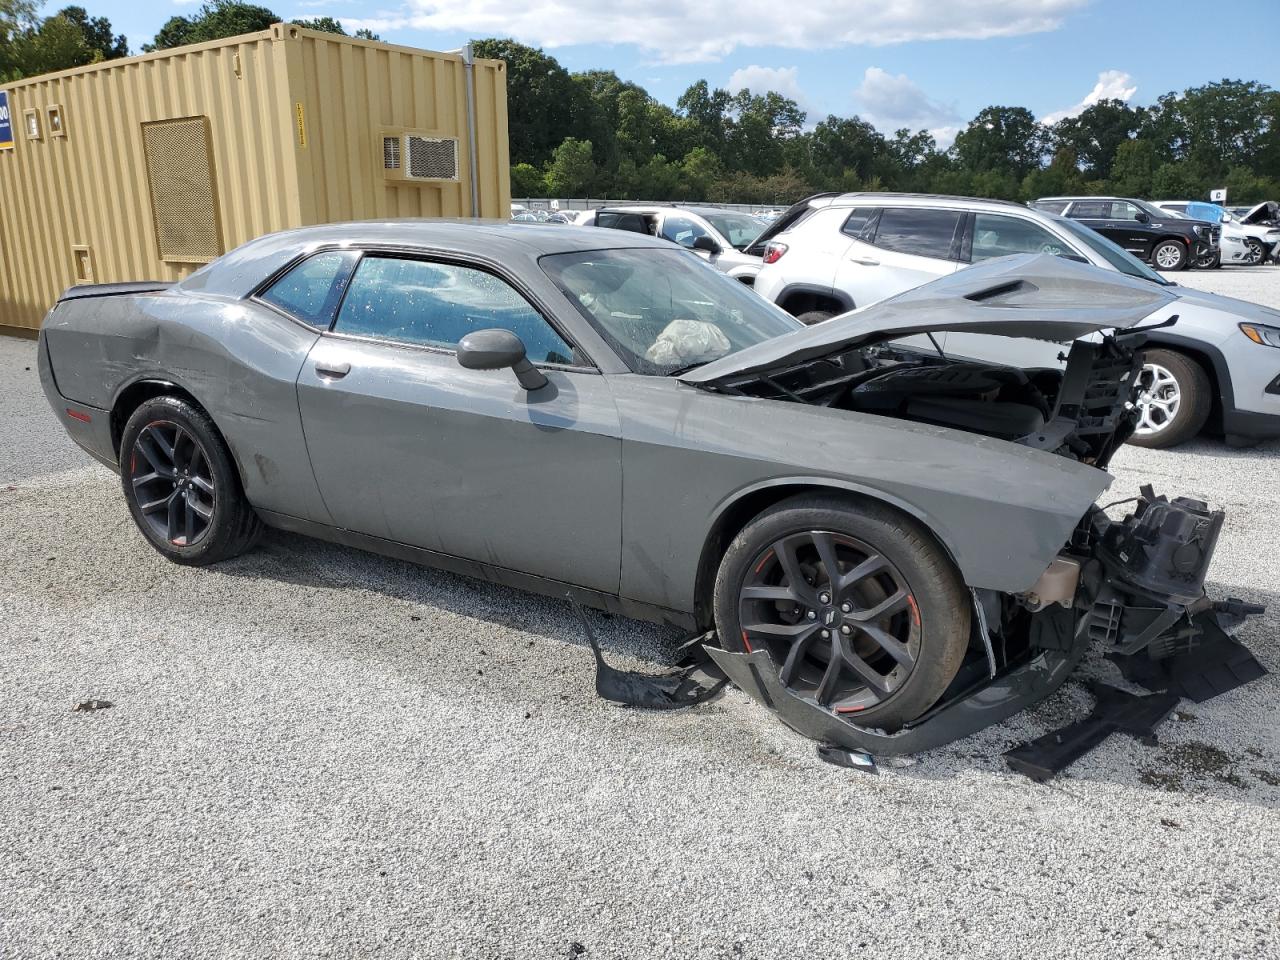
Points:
x=172 y=483
x=837 y=616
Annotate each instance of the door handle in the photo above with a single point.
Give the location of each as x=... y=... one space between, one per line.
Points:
x=332 y=371
x=865 y=261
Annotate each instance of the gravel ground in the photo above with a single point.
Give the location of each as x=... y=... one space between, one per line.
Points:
x=318 y=752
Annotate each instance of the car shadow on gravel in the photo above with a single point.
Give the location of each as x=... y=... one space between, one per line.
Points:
x=304 y=561
x=1225 y=748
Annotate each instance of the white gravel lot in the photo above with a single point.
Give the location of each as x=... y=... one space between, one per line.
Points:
x=318 y=752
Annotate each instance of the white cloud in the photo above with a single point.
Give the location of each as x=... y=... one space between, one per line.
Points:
x=689 y=31
x=891 y=102
x=1111 y=85
x=759 y=80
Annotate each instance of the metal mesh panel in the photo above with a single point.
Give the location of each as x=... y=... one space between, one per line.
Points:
x=391 y=153
x=432 y=159
x=183 y=198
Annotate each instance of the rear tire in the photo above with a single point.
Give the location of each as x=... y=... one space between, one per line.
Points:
x=1175 y=401
x=914 y=649
x=181 y=484
x=1169 y=255
x=811 y=317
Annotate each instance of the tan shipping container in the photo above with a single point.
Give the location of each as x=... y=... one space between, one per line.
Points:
x=147 y=167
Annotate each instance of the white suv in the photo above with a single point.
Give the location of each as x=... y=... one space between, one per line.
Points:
x=834 y=253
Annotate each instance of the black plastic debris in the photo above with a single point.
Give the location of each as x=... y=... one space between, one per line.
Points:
x=1216 y=664
x=85 y=706
x=694 y=679
x=853 y=759
x=1115 y=711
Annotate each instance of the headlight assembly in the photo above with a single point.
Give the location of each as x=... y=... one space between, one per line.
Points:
x=1266 y=336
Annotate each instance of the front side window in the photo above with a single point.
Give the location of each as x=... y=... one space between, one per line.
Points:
x=682 y=230
x=312 y=289
x=921 y=232
x=437 y=304
x=663 y=311
x=737 y=228
x=995 y=235
x=1051 y=206
x=1124 y=210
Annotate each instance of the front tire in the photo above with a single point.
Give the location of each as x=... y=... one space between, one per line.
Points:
x=1169 y=255
x=181 y=484
x=1257 y=252
x=880 y=640
x=1174 y=401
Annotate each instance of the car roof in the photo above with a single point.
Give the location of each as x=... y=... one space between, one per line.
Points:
x=503 y=241
x=701 y=211
x=920 y=200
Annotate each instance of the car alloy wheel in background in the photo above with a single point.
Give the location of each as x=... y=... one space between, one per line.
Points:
x=1256 y=252
x=1170 y=255
x=1159 y=400
x=836 y=614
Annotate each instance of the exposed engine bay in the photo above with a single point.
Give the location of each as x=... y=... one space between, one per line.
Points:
x=1084 y=411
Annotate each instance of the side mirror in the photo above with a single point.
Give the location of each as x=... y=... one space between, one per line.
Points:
x=1142 y=217
x=496 y=350
x=703 y=242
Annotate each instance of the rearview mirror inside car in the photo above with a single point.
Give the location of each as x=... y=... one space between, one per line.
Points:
x=496 y=349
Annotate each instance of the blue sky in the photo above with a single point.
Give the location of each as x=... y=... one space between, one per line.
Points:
x=918 y=63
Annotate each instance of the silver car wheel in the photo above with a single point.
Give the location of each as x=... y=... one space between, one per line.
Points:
x=1159 y=400
x=1168 y=256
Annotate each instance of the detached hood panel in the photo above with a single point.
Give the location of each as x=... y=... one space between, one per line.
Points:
x=1030 y=295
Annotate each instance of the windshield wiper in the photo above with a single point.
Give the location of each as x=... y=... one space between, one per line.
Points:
x=681 y=371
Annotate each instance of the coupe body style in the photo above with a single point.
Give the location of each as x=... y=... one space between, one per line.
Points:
x=597 y=413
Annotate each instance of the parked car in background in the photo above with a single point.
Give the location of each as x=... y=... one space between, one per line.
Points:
x=1147 y=232
x=1261 y=242
x=833 y=253
x=720 y=237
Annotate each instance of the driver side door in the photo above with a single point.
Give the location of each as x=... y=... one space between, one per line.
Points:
x=409 y=446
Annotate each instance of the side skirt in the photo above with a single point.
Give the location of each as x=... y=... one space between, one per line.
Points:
x=480 y=571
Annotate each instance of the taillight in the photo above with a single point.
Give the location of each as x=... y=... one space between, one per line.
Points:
x=773 y=252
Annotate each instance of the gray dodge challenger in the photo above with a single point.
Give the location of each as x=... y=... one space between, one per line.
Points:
x=883 y=539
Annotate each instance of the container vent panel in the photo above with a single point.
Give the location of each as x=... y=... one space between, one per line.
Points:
x=391 y=153
x=432 y=158
x=184 y=201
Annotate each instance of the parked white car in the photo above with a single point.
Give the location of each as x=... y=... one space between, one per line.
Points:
x=834 y=253
x=1242 y=242
x=720 y=237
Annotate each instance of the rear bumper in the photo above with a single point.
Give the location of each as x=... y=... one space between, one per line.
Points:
x=88 y=426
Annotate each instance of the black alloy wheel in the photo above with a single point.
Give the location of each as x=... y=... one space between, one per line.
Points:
x=836 y=614
x=173 y=483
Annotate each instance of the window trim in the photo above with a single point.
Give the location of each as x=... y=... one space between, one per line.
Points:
x=459 y=260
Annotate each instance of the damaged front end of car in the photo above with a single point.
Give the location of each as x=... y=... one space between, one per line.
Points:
x=1131 y=587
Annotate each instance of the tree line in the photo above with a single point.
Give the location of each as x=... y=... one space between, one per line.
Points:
x=31 y=44
x=594 y=134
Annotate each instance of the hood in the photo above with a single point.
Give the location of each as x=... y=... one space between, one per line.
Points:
x=1030 y=295
x=1237 y=309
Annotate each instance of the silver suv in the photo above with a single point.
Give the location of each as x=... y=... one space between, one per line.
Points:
x=720 y=237
x=833 y=253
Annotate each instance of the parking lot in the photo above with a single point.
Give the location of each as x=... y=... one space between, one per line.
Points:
x=316 y=751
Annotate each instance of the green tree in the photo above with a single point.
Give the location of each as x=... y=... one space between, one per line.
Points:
x=330 y=25
x=69 y=38
x=572 y=171
x=544 y=105
x=1176 y=180
x=527 y=181
x=1096 y=133
x=1004 y=139
x=839 y=144
x=1133 y=167
x=213 y=21
x=98 y=35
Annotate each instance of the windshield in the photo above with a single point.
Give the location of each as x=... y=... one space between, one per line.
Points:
x=1156 y=213
x=1114 y=255
x=738 y=228
x=664 y=311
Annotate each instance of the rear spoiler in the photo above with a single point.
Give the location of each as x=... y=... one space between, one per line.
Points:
x=85 y=291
